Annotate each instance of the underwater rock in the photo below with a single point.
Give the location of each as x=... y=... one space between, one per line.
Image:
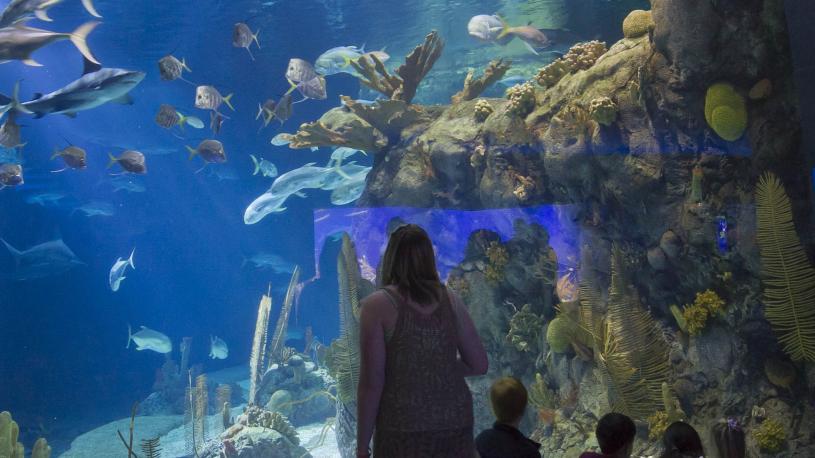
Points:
x=671 y=244
x=603 y=110
x=656 y=258
x=761 y=90
x=280 y=401
x=637 y=23
x=241 y=441
x=712 y=352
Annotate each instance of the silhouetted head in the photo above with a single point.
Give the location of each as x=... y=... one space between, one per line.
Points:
x=615 y=433
x=729 y=439
x=410 y=265
x=508 y=398
x=681 y=440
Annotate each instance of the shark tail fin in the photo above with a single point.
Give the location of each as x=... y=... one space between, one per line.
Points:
x=192 y=152
x=256 y=163
x=505 y=29
x=15 y=253
x=184 y=65
x=111 y=160
x=88 y=4
x=255 y=38
x=79 y=39
x=15 y=100
x=129 y=335
x=228 y=101
x=130 y=259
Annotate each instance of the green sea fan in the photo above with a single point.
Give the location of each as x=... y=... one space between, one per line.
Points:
x=787 y=275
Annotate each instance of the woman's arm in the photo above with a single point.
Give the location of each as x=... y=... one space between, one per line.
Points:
x=371 y=372
x=473 y=356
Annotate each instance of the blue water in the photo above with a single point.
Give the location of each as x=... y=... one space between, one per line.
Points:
x=63 y=362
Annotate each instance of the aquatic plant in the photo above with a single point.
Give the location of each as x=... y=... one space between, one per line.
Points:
x=497 y=260
x=540 y=395
x=770 y=436
x=200 y=407
x=277 y=345
x=482 y=110
x=9 y=432
x=706 y=305
x=637 y=24
x=343 y=360
x=710 y=300
x=521 y=99
x=603 y=110
x=127 y=443
x=151 y=448
x=786 y=273
x=524 y=329
x=403 y=85
x=695 y=318
x=223 y=396
x=257 y=358
x=474 y=87
x=725 y=111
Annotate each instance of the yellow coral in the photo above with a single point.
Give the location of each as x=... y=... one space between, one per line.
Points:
x=770 y=436
x=603 y=110
x=711 y=301
x=725 y=111
x=695 y=318
x=482 y=110
x=657 y=424
x=637 y=23
x=521 y=99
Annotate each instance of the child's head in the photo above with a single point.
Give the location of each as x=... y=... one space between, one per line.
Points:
x=680 y=439
x=508 y=398
x=615 y=434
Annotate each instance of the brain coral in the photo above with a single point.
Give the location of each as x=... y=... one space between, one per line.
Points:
x=725 y=111
x=637 y=23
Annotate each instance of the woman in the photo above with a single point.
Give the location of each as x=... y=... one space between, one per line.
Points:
x=417 y=343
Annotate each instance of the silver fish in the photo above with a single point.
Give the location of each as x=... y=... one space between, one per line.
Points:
x=211 y=151
x=171 y=69
x=348 y=192
x=313 y=89
x=242 y=37
x=300 y=70
x=18 y=42
x=216 y=121
x=117 y=272
x=208 y=98
x=43 y=260
x=264 y=167
x=11 y=175
x=74 y=157
x=45 y=198
x=337 y=60
x=487 y=27
x=10 y=133
x=130 y=161
x=95 y=208
x=217 y=348
x=22 y=10
x=264 y=205
x=148 y=339
x=342 y=153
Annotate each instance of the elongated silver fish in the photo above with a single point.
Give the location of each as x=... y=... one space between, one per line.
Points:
x=18 y=42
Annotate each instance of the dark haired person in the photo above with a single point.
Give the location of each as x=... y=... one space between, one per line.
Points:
x=682 y=441
x=508 y=397
x=615 y=434
x=417 y=343
x=729 y=439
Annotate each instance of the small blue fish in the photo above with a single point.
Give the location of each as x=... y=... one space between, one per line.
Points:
x=218 y=348
x=264 y=167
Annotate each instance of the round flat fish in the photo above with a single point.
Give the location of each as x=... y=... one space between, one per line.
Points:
x=73 y=156
x=130 y=161
x=211 y=151
x=167 y=117
x=170 y=68
x=300 y=70
x=313 y=89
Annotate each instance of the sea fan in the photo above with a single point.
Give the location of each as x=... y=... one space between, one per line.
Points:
x=201 y=407
x=279 y=337
x=257 y=358
x=788 y=276
x=151 y=448
x=345 y=350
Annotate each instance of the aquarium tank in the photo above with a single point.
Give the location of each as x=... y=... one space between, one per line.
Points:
x=195 y=196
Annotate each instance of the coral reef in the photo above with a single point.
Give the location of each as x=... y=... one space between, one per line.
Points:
x=482 y=110
x=9 y=431
x=497 y=260
x=255 y=416
x=637 y=23
x=580 y=57
x=725 y=111
x=257 y=432
x=521 y=99
x=540 y=395
x=603 y=110
x=770 y=435
x=390 y=117
x=474 y=87
x=353 y=133
x=257 y=359
x=524 y=329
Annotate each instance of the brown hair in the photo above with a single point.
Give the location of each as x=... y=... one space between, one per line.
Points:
x=508 y=397
x=409 y=263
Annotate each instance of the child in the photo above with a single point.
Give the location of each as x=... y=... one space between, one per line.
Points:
x=504 y=440
x=615 y=433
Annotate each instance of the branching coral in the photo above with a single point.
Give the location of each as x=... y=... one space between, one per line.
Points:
x=580 y=57
x=725 y=111
x=603 y=110
x=355 y=134
x=403 y=85
x=482 y=110
x=637 y=24
x=770 y=436
x=524 y=329
x=474 y=87
x=390 y=117
x=521 y=99
x=498 y=258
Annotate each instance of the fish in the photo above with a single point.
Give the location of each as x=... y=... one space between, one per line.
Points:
x=131 y=161
x=342 y=153
x=264 y=167
x=168 y=117
x=22 y=10
x=171 y=69
x=307 y=176
x=242 y=37
x=487 y=28
x=283 y=109
x=211 y=151
x=45 y=199
x=126 y=183
x=343 y=174
x=348 y=192
x=514 y=80
x=96 y=87
x=265 y=204
x=312 y=89
x=266 y=110
x=12 y=103
x=216 y=122
x=208 y=98
x=19 y=41
x=281 y=139
x=11 y=175
x=338 y=60
x=270 y=261
x=73 y=156
x=380 y=55
x=217 y=348
x=148 y=339
x=533 y=38
x=300 y=70
x=41 y=261
x=95 y=208
x=10 y=133
x=117 y=272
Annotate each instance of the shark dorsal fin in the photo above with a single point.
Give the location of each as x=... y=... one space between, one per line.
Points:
x=90 y=67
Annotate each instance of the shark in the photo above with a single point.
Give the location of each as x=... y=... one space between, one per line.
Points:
x=19 y=41
x=43 y=260
x=96 y=87
x=21 y=10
